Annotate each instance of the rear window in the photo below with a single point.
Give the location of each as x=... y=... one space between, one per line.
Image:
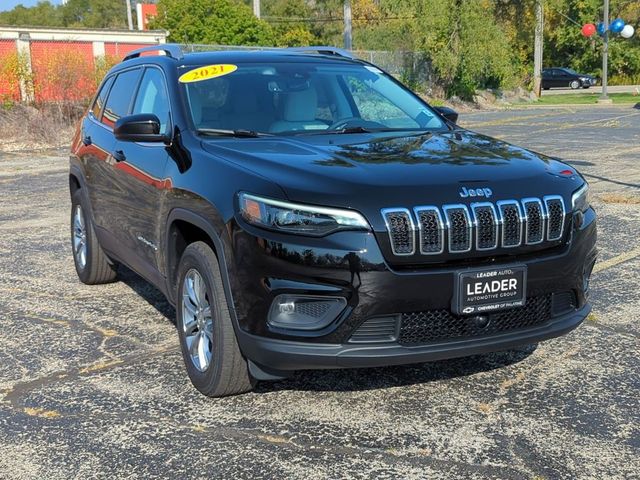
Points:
x=120 y=96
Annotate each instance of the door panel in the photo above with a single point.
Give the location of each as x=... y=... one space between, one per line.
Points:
x=104 y=187
x=138 y=175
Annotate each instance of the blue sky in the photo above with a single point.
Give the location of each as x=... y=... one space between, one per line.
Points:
x=9 y=4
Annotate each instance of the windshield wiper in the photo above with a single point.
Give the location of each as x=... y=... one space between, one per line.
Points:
x=240 y=133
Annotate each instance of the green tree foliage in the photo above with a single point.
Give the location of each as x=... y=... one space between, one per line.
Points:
x=468 y=44
x=223 y=22
x=287 y=19
x=76 y=13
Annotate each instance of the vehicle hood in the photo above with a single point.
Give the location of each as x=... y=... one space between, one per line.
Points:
x=365 y=171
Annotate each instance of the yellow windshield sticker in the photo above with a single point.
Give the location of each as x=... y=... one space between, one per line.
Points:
x=206 y=73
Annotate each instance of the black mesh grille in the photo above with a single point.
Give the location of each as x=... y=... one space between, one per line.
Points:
x=400 y=232
x=535 y=222
x=459 y=232
x=430 y=231
x=556 y=219
x=438 y=325
x=511 y=225
x=486 y=235
x=313 y=309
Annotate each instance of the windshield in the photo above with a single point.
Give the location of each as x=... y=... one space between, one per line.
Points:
x=299 y=98
x=571 y=71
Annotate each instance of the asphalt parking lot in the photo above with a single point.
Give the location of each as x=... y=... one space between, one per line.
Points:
x=92 y=383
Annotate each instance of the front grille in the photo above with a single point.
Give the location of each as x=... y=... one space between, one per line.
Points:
x=555 y=214
x=481 y=226
x=534 y=220
x=401 y=230
x=432 y=326
x=459 y=228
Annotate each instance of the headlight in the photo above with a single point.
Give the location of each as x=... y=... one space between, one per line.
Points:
x=300 y=219
x=580 y=199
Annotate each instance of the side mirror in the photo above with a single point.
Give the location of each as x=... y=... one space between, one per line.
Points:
x=143 y=127
x=448 y=113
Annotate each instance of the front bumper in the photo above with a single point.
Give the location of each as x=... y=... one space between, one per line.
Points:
x=288 y=355
x=267 y=265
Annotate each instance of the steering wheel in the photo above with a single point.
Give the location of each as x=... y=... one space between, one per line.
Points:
x=358 y=121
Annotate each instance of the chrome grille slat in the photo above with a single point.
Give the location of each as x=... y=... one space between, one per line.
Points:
x=482 y=226
x=430 y=230
x=555 y=217
x=401 y=230
x=535 y=217
x=459 y=228
x=512 y=221
x=486 y=223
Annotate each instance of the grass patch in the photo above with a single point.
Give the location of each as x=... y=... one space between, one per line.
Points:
x=585 y=99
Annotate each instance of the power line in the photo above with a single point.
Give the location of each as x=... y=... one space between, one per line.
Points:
x=333 y=19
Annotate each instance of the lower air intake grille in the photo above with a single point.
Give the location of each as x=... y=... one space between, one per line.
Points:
x=432 y=326
x=376 y=329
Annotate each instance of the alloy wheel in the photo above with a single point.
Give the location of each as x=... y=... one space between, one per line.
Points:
x=197 y=322
x=79 y=238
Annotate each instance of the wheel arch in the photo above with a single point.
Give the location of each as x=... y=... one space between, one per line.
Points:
x=182 y=228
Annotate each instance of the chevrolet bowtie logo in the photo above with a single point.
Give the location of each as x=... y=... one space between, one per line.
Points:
x=475 y=192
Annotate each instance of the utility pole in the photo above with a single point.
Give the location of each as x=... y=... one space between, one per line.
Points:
x=348 y=44
x=604 y=98
x=256 y=8
x=129 y=19
x=537 y=49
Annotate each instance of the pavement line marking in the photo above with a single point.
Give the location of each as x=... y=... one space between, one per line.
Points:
x=612 y=262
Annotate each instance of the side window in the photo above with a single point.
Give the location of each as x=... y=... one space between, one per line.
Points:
x=152 y=97
x=102 y=96
x=120 y=96
x=374 y=106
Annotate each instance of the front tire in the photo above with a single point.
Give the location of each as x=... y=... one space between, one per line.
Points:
x=210 y=349
x=92 y=265
x=575 y=84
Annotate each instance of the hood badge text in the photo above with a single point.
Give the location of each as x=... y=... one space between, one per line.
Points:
x=475 y=192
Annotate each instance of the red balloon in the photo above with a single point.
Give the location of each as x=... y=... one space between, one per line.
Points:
x=588 y=29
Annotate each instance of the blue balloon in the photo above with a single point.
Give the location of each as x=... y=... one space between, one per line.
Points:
x=617 y=25
x=600 y=29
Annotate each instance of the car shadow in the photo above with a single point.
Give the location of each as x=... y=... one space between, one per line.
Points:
x=147 y=292
x=361 y=379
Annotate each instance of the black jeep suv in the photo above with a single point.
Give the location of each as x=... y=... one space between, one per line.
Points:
x=304 y=210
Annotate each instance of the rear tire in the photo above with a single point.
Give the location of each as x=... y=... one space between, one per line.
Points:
x=210 y=349
x=92 y=264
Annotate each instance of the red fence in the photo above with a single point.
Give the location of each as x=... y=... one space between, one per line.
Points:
x=9 y=81
x=62 y=70
x=59 y=69
x=120 y=49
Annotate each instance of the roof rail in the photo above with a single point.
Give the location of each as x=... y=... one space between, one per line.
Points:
x=322 y=50
x=170 y=49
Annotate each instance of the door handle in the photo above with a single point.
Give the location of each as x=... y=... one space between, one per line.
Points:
x=119 y=156
x=86 y=140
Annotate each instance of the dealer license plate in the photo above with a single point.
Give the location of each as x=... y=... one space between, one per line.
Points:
x=487 y=290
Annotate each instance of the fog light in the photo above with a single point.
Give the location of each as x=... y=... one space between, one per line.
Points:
x=304 y=312
x=586 y=277
x=287 y=307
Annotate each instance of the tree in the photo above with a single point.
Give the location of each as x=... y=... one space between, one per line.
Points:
x=223 y=22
